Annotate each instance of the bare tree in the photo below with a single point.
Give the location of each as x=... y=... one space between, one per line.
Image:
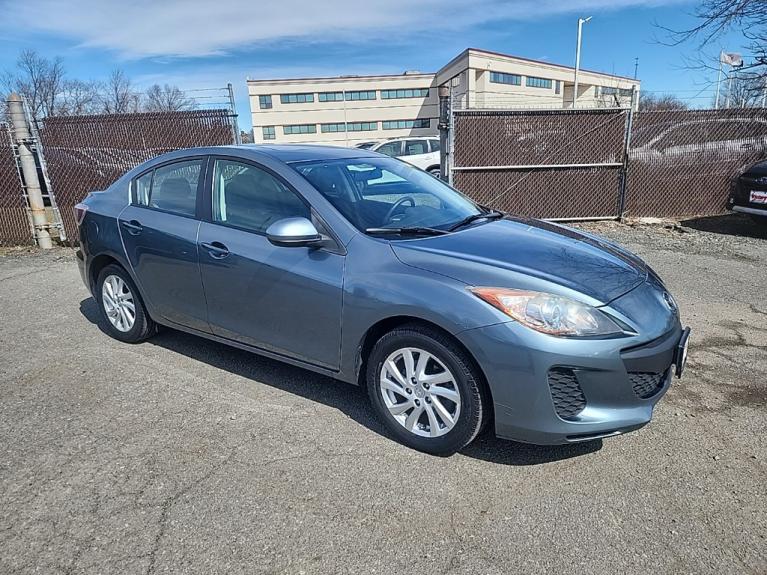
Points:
x=744 y=90
x=118 y=95
x=39 y=80
x=167 y=98
x=648 y=101
x=78 y=98
x=717 y=17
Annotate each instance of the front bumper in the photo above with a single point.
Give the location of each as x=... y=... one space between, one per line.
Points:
x=599 y=388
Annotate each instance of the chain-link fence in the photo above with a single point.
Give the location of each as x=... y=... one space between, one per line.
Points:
x=683 y=162
x=87 y=153
x=14 y=222
x=598 y=163
x=557 y=163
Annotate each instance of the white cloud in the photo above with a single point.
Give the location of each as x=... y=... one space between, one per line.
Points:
x=191 y=28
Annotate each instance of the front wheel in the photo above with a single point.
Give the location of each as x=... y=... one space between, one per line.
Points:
x=426 y=390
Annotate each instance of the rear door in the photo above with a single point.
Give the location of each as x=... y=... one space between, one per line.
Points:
x=283 y=299
x=159 y=231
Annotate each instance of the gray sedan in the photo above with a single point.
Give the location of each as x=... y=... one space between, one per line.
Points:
x=366 y=269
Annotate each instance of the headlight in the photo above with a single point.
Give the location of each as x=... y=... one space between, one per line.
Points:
x=549 y=313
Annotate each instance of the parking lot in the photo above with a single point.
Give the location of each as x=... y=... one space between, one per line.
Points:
x=181 y=455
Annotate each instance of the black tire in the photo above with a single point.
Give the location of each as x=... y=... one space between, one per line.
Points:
x=434 y=172
x=475 y=401
x=143 y=326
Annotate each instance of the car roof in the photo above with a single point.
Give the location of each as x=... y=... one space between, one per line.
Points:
x=286 y=153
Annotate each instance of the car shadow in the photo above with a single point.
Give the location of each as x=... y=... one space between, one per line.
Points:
x=729 y=224
x=349 y=399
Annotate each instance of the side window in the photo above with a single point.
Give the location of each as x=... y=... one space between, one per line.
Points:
x=251 y=198
x=391 y=149
x=142 y=187
x=416 y=147
x=172 y=188
x=434 y=145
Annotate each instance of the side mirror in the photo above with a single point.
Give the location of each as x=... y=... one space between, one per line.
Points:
x=294 y=233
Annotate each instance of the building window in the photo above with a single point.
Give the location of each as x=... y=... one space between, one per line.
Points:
x=330 y=128
x=557 y=87
x=268 y=132
x=501 y=78
x=300 y=129
x=626 y=92
x=362 y=126
x=533 y=82
x=331 y=96
x=609 y=91
x=406 y=124
x=361 y=95
x=296 y=98
x=407 y=93
x=265 y=102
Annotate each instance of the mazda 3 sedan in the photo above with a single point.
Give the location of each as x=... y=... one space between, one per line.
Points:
x=366 y=269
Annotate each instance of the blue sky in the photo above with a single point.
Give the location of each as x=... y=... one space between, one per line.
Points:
x=202 y=44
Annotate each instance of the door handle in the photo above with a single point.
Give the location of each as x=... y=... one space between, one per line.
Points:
x=133 y=227
x=216 y=250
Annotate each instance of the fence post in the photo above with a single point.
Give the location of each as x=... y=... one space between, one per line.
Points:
x=444 y=129
x=22 y=138
x=626 y=149
x=233 y=110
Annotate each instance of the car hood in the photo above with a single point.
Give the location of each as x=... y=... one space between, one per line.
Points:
x=528 y=254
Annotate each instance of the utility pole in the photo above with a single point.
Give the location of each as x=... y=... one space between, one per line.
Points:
x=23 y=138
x=636 y=67
x=444 y=130
x=581 y=22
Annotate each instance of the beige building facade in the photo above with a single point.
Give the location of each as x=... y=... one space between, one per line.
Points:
x=348 y=110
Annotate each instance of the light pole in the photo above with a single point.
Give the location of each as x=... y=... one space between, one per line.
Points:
x=581 y=22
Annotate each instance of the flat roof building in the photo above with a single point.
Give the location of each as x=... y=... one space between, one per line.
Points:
x=348 y=110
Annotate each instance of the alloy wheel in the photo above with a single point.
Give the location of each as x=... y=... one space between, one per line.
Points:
x=118 y=303
x=420 y=392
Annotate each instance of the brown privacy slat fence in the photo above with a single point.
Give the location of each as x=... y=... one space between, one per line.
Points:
x=683 y=163
x=553 y=163
x=14 y=223
x=564 y=164
x=87 y=153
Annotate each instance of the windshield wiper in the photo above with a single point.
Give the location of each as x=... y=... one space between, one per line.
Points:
x=490 y=214
x=405 y=231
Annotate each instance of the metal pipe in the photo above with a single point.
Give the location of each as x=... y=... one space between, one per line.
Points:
x=626 y=150
x=233 y=109
x=23 y=138
x=581 y=22
x=537 y=167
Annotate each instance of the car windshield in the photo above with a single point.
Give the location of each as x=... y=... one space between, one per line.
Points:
x=378 y=193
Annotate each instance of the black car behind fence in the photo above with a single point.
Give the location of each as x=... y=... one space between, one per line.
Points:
x=557 y=164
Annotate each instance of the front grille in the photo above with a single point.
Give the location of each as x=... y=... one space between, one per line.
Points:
x=567 y=394
x=646 y=385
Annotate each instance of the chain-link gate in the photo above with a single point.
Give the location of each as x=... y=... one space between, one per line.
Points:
x=556 y=164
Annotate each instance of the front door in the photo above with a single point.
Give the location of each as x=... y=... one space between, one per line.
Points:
x=159 y=232
x=283 y=299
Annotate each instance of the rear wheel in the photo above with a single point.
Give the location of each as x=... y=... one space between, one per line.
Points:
x=434 y=172
x=426 y=390
x=121 y=308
